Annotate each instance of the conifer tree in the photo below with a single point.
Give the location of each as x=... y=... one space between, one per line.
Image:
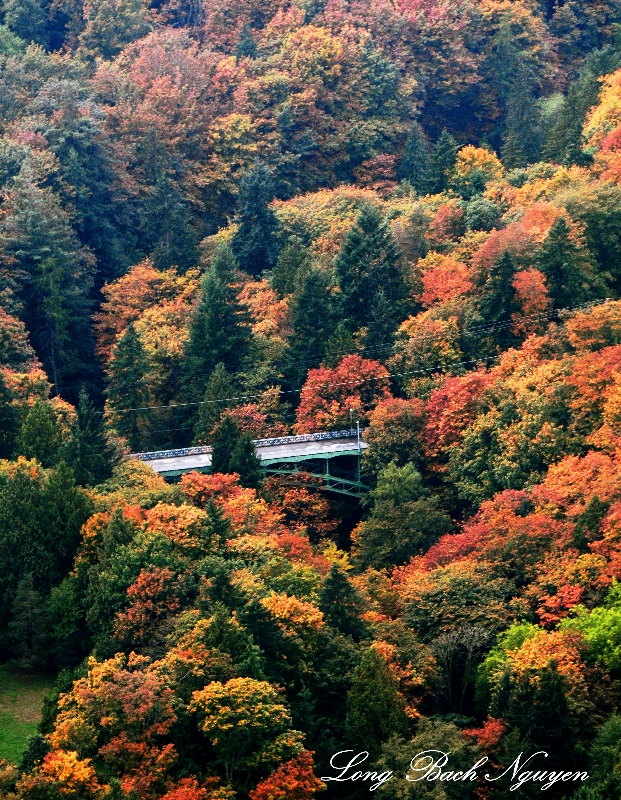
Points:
x=311 y=316
x=342 y=604
x=88 y=451
x=27 y=626
x=219 y=330
x=568 y=269
x=378 y=339
x=8 y=420
x=341 y=343
x=126 y=392
x=255 y=243
x=245 y=462
x=368 y=262
x=53 y=275
x=40 y=435
x=564 y=143
x=225 y=437
x=375 y=709
x=415 y=164
x=293 y=257
x=219 y=387
x=521 y=141
x=498 y=302
x=246 y=43
x=27 y=19
x=442 y=161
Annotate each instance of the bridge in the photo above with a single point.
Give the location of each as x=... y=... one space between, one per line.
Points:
x=333 y=457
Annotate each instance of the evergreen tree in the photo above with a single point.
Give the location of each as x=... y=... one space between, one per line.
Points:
x=40 y=435
x=498 y=302
x=378 y=339
x=311 y=316
x=368 y=262
x=442 y=161
x=245 y=463
x=415 y=164
x=375 y=709
x=342 y=604
x=341 y=343
x=225 y=437
x=219 y=330
x=52 y=276
x=564 y=143
x=8 y=420
x=255 y=243
x=521 y=141
x=568 y=269
x=27 y=626
x=219 y=387
x=126 y=392
x=88 y=451
x=293 y=257
x=246 y=44
x=111 y=25
x=27 y=19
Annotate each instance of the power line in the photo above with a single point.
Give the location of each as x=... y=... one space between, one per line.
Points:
x=359 y=382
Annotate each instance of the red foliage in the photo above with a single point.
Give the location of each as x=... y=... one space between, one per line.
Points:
x=293 y=780
x=447 y=280
x=328 y=395
x=151 y=597
x=447 y=225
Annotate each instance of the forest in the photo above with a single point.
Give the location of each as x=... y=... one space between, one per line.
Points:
x=233 y=220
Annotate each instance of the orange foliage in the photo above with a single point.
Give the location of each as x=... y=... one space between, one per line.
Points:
x=531 y=293
x=443 y=278
x=293 y=780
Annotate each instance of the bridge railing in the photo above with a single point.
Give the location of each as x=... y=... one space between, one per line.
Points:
x=279 y=440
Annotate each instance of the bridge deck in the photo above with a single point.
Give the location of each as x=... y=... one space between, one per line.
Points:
x=270 y=451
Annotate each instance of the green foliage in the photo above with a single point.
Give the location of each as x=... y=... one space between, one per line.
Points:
x=27 y=20
x=233 y=451
x=404 y=520
x=341 y=604
x=219 y=330
x=415 y=164
x=443 y=157
x=88 y=451
x=40 y=436
x=601 y=628
x=217 y=398
x=27 y=626
x=126 y=392
x=375 y=709
x=255 y=243
x=482 y=215
x=293 y=258
x=498 y=302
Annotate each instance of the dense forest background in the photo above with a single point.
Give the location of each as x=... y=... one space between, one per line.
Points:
x=249 y=218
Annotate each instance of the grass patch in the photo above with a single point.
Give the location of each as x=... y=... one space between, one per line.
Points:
x=21 y=699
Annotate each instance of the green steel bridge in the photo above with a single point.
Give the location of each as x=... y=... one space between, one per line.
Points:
x=333 y=458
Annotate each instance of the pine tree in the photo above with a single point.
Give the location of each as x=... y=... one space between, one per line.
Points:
x=341 y=343
x=126 y=392
x=246 y=44
x=40 y=435
x=245 y=463
x=375 y=709
x=521 y=142
x=255 y=243
x=88 y=451
x=564 y=143
x=442 y=161
x=568 y=269
x=225 y=437
x=293 y=257
x=378 y=339
x=342 y=604
x=498 y=301
x=219 y=388
x=219 y=329
x=52 y=273
x=368 y=262
x=26 y=628
x=415 y=164
x=311 y=316
x=8 y=420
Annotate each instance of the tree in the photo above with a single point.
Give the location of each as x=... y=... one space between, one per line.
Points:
x=311 y=316
x=88 y=451
x=293 y=780
x=245 y=462
x=52 y=275
x=375 y=708
x=342 y=604
x=567 y=267
x=246 y=723
x=225 y=437
x=40 y=436
x=415 y=164
x=404 y=520
x=126 y=392
x=219 y=329
x=217 y=398
x=246 y=44
x=8 y=420
x=521 y=141
x=367 y=263
x=443 y=158
x=294 y=257
x=255 y=243
x=110 y=26
x=27 y=626
x=498 y=302
x=26 y=19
